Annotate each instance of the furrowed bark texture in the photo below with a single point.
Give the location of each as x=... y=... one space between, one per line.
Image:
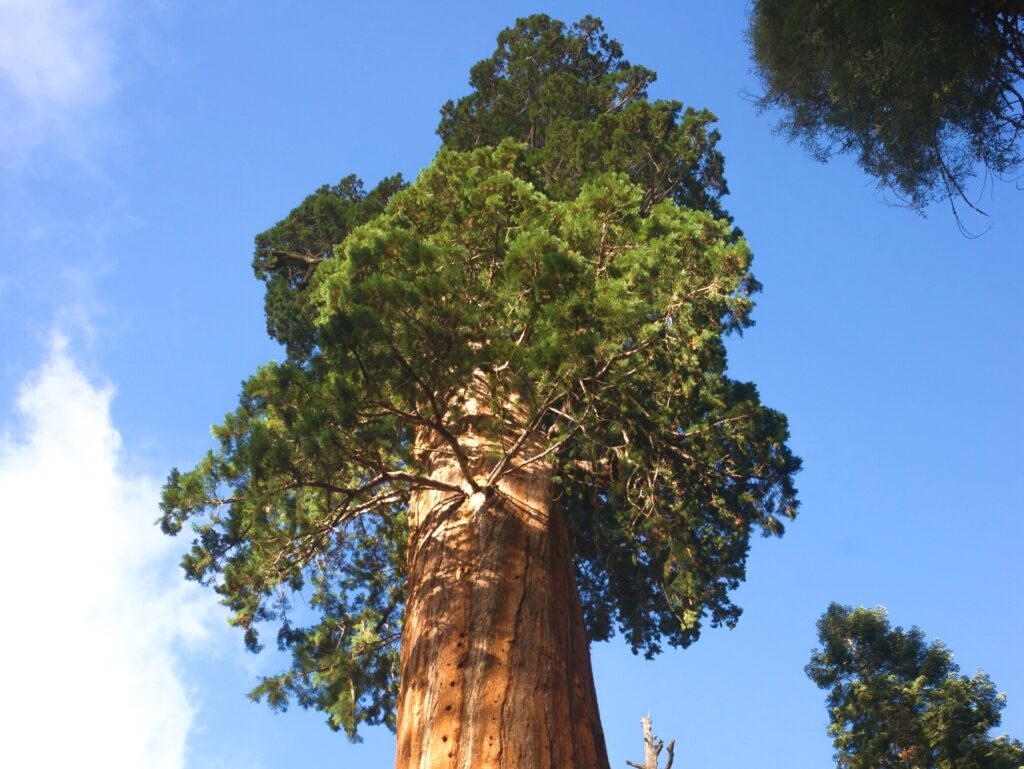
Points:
x=495 y=663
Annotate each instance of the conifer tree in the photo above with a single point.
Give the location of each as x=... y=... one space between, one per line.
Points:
x=897 y=702
x=504 y=427
x=923 y=93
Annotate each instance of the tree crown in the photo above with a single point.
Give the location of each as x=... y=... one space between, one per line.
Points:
x=571 y=96
x=598 y=306
x=920 y=92
x=897 y=701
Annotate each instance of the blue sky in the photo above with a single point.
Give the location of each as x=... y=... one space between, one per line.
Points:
x=142 y=146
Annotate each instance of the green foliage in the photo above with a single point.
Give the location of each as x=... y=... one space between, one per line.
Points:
x=288 y=253
x=542 y=73
x=302 y=536
x=920 y=92
x=569 y=94
x=898 y=702
x=597 y=304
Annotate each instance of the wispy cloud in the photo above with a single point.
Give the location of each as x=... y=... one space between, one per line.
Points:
x=95 y=609
x=57 y=65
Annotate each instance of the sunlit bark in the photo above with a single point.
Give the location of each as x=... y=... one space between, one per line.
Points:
x=495 y=664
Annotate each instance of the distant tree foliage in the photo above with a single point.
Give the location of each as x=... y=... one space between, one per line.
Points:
x=922 y=92
x=898 y=702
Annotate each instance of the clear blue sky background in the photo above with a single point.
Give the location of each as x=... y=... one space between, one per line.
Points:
x=143 y=151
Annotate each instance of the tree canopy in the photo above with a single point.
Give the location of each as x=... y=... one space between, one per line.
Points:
x=920 y=92
x=897 y=701
x=568 y=93
x=288 y=254
x=590 y=280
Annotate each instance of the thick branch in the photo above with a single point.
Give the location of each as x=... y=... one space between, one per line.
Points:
x=437 y=424
x=503 y=463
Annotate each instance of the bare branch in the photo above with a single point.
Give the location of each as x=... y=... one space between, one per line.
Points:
x=653 y=748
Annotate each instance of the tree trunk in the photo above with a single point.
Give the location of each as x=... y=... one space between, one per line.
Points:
x=495 y=663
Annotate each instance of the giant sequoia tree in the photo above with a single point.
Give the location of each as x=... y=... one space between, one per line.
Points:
x=504 y=426
x=921 y=92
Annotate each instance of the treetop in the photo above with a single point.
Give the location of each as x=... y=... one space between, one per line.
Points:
x=590 y=288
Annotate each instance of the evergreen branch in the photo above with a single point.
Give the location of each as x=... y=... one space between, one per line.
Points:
x=438 y=424
x=540 y=455
x=531 y=427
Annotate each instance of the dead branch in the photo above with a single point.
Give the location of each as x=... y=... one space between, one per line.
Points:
x=652 y=748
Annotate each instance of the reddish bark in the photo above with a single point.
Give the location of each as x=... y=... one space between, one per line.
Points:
x=495 y=663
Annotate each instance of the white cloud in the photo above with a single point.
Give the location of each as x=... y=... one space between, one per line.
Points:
x=56 y=63
x=52 y=50
x=96 y=608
